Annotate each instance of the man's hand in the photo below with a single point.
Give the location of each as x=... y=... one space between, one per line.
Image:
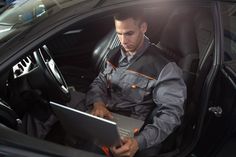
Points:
x=128 y=148
x=100 y=110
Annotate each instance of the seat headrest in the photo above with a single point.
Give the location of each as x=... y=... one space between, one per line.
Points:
x=102 y=48
x=179 y=35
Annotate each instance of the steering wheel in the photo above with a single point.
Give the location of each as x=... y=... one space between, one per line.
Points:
x=56 y=85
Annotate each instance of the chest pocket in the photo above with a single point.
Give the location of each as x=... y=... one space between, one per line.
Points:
x=134 y=87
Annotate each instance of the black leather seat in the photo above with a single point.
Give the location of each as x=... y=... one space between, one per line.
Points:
x=187 y=39
x=102 y=48
x=178 y=43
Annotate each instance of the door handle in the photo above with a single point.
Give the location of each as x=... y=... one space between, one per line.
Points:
x=217 y=110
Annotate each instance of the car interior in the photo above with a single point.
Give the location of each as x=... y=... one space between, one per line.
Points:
x=184 y=34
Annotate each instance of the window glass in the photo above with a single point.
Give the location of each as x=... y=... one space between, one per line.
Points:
x=228 y=11
x=19 y=15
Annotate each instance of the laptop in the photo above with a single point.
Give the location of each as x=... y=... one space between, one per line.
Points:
x=99 y=130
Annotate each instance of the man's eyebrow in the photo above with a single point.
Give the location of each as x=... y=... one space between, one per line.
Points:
x=126 y=33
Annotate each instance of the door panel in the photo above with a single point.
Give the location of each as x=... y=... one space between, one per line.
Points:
x=219 y=124
x=220 y=120
x=17 y=144
x=226 y=147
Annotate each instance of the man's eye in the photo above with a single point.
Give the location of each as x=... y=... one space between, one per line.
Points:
x=129 y=33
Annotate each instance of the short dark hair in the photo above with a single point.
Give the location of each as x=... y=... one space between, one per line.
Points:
x=134 y=13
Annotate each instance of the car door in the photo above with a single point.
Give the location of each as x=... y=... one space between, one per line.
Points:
x=218 y=137
x=228 y=90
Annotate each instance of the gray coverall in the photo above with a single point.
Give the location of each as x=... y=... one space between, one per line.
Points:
x=128 y=91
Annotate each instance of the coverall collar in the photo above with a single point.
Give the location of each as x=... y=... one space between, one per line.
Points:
x=136 y=54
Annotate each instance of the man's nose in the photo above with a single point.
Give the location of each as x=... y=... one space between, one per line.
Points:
x=123 y=39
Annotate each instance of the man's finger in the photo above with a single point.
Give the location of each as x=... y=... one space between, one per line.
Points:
x=120 y=150
x=92 y=112
x=125 y=139
x=109 y=115
x=99 y=113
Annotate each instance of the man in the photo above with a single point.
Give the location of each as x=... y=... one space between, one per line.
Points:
x=137 y=79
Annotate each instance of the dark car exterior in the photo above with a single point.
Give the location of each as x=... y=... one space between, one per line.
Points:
x=78 y=35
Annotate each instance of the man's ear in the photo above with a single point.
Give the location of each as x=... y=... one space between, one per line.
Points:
x=144 y=27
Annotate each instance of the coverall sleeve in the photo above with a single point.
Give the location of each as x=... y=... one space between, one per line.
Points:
x=98 y=89
x=169 y=96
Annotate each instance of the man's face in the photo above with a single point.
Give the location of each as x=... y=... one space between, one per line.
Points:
x=130 y=33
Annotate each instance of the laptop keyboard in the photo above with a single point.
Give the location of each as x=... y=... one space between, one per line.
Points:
x=124 y=132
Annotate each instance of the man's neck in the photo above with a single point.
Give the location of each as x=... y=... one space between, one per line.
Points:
x=129 y=53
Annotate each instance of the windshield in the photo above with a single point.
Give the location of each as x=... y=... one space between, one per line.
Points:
x=22 y=11
x=18 y=15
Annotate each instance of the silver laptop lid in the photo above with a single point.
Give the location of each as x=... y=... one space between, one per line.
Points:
x=83 y=125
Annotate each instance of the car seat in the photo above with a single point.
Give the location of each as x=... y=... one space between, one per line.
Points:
x=178 y=43
x=102 y=48
x=181 y=42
